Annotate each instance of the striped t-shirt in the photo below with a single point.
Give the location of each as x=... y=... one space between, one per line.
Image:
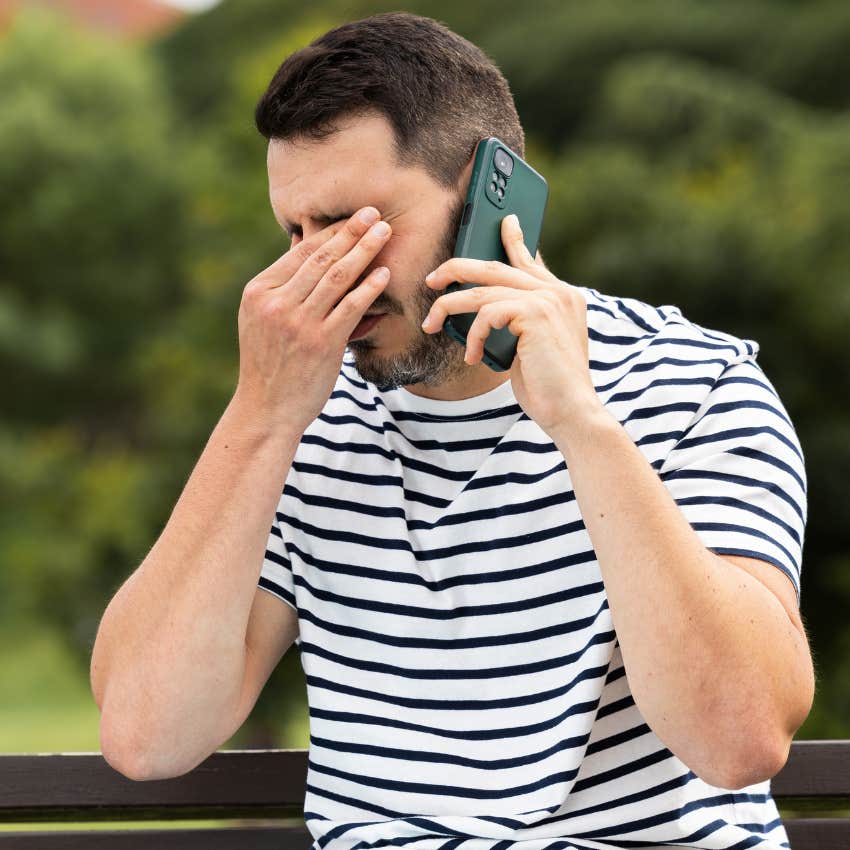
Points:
x=464 y=679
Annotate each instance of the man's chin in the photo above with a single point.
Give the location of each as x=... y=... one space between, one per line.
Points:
x=431 y=363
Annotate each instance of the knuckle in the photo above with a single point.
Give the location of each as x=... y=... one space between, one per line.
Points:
x=303 y=250
x=572 y=297
x=337 y=273
x=270 y=310
x=252 y=291
x=323 y=257
x=492 y=266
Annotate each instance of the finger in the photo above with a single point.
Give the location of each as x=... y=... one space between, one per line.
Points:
x=496 y=314
x=466 y=301
x=486 y=272
x=284 y=267
x=347 y=270
x=350 y=310
x=514 y=242
x=319 y=260
x=545 y=272
x=518 y=254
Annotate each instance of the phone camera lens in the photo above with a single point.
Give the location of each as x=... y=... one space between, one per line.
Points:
x=500 y=192
x=503 y=162
x=493 y=187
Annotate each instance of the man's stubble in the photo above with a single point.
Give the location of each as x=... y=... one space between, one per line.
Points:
x=430 y=359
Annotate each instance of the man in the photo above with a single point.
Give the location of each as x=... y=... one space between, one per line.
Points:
x=553 y=607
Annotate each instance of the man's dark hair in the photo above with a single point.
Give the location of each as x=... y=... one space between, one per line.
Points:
x=439 y=91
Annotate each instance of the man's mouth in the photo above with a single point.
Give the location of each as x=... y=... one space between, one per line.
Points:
x=364 y=325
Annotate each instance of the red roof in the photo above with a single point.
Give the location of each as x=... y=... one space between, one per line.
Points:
x=127 y=18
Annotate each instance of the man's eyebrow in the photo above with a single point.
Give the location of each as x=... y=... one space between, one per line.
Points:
x=319 y=218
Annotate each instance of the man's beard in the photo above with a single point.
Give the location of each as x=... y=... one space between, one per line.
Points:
x=432 y=358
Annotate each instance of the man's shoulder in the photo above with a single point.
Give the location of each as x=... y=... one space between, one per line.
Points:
x=632 y=334
x=657 y=371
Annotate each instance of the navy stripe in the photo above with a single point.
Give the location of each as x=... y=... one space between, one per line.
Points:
x=741 y=505
x=755 y=454
x=661 y=410
x=736 y=433
x=381 y=637
x=742 y=529
x=749 y=404
x=421 y=703
x=660 y=382
x=762 y=556
x=707 y=475
x=735 y=379
x=388 y=544
x=662 y=361
x=416 y=580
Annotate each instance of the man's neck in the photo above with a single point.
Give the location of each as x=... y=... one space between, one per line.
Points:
x=469 y=387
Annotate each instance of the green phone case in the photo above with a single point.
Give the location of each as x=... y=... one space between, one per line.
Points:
x=480 y=235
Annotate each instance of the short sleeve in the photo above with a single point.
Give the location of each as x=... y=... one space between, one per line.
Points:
x=738 y=473
x=276 y=575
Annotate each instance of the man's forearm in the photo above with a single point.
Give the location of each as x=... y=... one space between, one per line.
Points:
x=714 y=663
x=167 y=664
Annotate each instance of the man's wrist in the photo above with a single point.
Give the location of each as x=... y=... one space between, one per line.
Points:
x=584 y=427
x=257 y=427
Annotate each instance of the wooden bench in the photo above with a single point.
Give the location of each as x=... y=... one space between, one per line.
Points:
x=258 y=786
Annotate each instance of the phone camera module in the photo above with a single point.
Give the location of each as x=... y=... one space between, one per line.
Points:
x=503 y=162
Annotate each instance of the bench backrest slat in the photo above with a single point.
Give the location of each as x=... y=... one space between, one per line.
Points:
x=253 y=784
x=256 y=781
x=818 y=833
x=815 y=769
x=231 y=838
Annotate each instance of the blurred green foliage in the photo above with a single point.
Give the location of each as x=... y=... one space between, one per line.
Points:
x=698 y=154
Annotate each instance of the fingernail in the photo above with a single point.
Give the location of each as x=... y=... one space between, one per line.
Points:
x=514 y=220
x=381 y=228
x=426 y=321
x=430 y=276
x=369 y=215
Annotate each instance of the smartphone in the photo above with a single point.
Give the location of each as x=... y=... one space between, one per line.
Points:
x=501 y=183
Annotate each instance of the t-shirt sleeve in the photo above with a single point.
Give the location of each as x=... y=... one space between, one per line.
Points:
x=276 y=575
x=738 y=474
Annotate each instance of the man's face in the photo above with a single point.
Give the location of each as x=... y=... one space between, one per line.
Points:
x=314 y=182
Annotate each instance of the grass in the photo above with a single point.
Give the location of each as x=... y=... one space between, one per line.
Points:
x=47 y=705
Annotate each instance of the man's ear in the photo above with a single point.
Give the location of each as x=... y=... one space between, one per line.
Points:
x=466 y=176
